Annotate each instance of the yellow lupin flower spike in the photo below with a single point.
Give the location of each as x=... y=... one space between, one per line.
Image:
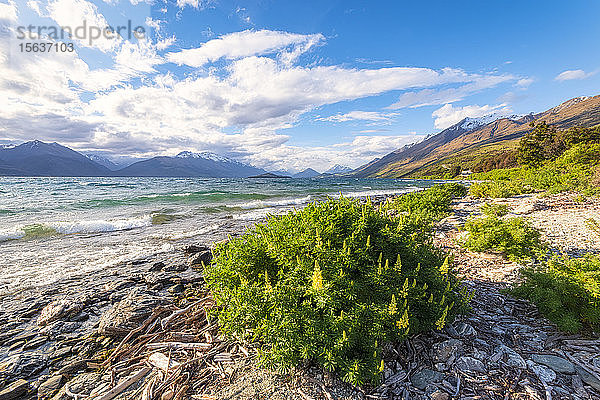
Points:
x=317 y=278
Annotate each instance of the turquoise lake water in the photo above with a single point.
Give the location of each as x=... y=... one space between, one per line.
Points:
x=52 y=228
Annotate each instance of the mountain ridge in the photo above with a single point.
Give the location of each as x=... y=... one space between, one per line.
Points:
x=307 y=173
x=408 y=160
x=37 y=158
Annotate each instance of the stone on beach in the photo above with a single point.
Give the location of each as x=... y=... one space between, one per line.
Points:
x=49 y=387
x=59 y=309
x=192 y=249
x=426 y=377
x=15 y=390
x=203 y=257
x=24 y=365
x=588 y=378
x=470 y=364
x=444 y=350
x=129 y=312
x=81 y=384
x=558 y=364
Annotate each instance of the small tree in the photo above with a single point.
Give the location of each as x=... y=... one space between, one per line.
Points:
x=541 y=144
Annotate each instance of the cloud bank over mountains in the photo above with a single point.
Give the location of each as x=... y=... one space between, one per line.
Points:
x=236 y=94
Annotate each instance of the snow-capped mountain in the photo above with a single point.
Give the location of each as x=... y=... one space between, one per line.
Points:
x=338 y=169
x=567 y=104
x=207 y=155
x=189 y=164
x=103 y=161
x=470 y=124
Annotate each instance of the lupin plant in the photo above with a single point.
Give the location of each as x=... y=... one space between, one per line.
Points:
x=332 y=283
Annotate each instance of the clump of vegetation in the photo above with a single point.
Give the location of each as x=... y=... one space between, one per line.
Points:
x=332 y=283
x=566 y=291
x=513 y=237
x=504 y=159
x=498 y=189
x=494 y=210
x=425 y=208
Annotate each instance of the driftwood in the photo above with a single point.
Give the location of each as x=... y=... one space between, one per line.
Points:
x=180 y=346
x=164 y=357
x=162 y=362
x=114 y=392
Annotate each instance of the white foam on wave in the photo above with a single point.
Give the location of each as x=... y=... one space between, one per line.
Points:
x=367 y=193
x=101 y=225
x=261 y=213
x=11 y=234
x=271 y=203
x=155 y=195
x=92 y=226
x=253 y=215
x=190 y=234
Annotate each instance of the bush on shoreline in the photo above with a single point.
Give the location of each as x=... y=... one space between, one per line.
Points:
x=332 y=283
x=425 y=208
x=513 y=237
x=494 y=210
x=566 y=291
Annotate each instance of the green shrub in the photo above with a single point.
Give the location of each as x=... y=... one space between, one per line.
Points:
x=494 y=210
x=332 y=283
x=426 y=207
x=497 y=189
x=566 y=291
x=513 y=237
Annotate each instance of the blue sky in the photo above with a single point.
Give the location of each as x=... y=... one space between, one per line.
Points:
x=288 y=85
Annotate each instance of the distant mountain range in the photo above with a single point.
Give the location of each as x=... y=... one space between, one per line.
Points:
x=103 y=161
x=188 y=164
x=311 y=173
x=37 y=158
x=476 y=136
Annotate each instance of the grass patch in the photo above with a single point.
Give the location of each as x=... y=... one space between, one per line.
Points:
x=566 y=291
x=332 y=283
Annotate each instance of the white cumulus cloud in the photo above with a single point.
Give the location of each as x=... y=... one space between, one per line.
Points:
x=8 y=12
x=73 y=14
x=574 y=74
x=244 y=44
x=373 y=116
x=449 y=115
x=470 y=84
x=240 y=107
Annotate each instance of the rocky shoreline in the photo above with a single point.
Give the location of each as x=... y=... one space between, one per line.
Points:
x=48 y=332
x=502 y=349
